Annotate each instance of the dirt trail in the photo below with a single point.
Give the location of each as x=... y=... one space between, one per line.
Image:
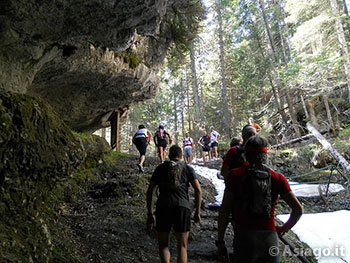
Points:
x=108 y=222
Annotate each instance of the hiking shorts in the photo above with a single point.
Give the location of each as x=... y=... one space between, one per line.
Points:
x=162 y=143
x=179 y=217
x=256 y=246
x=141 y=145
x=206 y=148
x=214 y=144
x=188 y=151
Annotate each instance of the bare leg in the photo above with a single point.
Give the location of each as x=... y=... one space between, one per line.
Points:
x=223 y=218
x=163 y=245
x=182 y=247
x=142 y=159
x=203 y=156
x=216 y=151
x=163 y=156
x=210 y=155
x=161 y=153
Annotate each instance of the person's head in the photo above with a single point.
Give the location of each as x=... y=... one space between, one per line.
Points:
x=256 y=150
x=204 y=133
x=235 y=141
x=187 y=134
x=175 y=153
x=141 y=126
x=250 y=120
x=247 y=132
x=161 y=126
x=211 y=128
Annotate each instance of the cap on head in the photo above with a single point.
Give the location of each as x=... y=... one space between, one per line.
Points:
x=141 y=126
x=211 y=127
x=247 y=130
x=250 y=119
x=161 y=126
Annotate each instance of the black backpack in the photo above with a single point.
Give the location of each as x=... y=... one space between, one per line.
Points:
x=174 y=175
x=257 y=201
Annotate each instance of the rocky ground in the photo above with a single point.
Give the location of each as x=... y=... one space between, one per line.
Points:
x=107 y=223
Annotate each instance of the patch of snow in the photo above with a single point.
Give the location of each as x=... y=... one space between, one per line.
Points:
x=328 y=234
x=312 y=190
x=211 y=175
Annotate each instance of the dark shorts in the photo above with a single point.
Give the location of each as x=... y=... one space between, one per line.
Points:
x=214 y=144
x=141 y=145
x=256 y=246
x=178 y=216
x=206 y=148
x=162 y=143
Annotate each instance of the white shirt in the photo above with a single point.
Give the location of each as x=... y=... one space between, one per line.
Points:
x=214 y=136
x=187 y=142
x=141 y=133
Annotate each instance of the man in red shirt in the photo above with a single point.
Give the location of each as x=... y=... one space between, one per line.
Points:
x=233 y=159
x=254 y=225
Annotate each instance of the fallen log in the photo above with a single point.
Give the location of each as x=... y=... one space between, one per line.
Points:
x=296 y=140
x=322 y=140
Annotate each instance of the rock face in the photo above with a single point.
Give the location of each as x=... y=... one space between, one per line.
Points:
x=86 y=58
x=37 y=151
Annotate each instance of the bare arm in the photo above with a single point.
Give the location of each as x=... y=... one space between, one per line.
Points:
x=149 y=136
x=149 y=197
x=197 y=199
x=225 y=170
x=297 y=210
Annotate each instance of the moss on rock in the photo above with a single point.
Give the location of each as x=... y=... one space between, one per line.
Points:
x=37 y=152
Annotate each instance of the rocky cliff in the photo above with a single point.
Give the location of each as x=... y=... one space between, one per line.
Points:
x=87 y=58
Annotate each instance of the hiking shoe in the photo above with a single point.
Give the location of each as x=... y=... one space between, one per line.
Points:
x=140 y=168
x=222 y=251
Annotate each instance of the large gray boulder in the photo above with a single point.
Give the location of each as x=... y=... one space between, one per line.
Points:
x=87 y=58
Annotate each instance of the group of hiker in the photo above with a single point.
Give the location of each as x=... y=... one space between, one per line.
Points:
x=142 y=139
x=251 y=193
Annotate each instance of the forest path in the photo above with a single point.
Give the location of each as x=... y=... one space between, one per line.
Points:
x=108 y=222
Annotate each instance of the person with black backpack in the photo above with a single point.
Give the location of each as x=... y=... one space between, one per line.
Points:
x=255 y=190
x=204 y=141
x=233 y=159
x=173 y=207
x=160 y=140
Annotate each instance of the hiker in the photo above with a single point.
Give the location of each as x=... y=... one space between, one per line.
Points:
x=160 y=140
x=173 y=207
x=254 y=191
x=188 y=145
x=235 y=141
x=254 y=124
x=233 y=159
x=214 y=138
x=204 y=141
x=141 y=139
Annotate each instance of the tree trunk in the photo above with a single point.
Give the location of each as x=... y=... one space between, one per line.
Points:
x=293 y=115
x=175 y=114
x=222 y=71
x=194 y=84
x=342 y=42
x=312 y=113
x=328 y=111
x=328 y=146
x=286 y=60
x=182 y=106
x=275 y=91
x=304 y=105
x=346 y=11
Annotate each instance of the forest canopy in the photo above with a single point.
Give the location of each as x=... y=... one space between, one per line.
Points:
x=252 y=58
